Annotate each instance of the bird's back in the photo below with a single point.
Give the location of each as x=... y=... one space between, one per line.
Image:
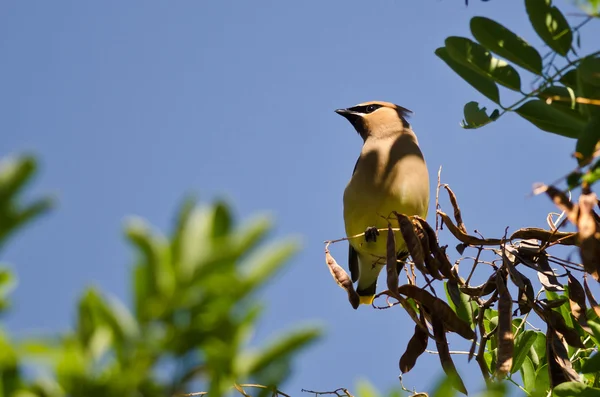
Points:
x=391 y=175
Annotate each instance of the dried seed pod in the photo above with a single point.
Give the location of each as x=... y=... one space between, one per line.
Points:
x=481 y=290
x=412 y=241
x=392 y=272
x=457 y=215
x=431 y=263
x=591 y=298
x=441 y=309
x=547 y=276
x=442 y=262
x=528 y=233
x=444 y=353
x=553 y=304
x=466 y=238
x=577 y=303
x=588 y=235
x=342 y=279
x=555 y=320
x=526 y=296
x=562 y=202
x=560 y=369
x=416 y=346
x=506 y=343
x=510 y=260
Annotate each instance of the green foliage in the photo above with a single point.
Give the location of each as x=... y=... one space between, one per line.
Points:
x=15 y=173
x=566 y=97
x=194 y=308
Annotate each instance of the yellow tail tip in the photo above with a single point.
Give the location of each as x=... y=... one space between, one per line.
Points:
x=366 y=299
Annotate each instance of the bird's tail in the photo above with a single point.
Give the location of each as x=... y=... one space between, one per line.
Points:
x=366 y=295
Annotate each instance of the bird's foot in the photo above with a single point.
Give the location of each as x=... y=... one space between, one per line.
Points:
x=371 y=234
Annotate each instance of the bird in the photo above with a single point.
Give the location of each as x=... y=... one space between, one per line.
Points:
x=390 y=175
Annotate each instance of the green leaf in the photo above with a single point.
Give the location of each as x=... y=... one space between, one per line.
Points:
x=549 y=119
x=588 y=84
x=586 y=144
x=522 y=345
x=458 y=301
x=154 y=253
x=571 y=389
x=528 y=374
x=505 y=43
x=8 y=280
x=569 y=78
x=592 y=364
x=120 y=320
x=476 y=117
x=281 y=349
x=263 y=263
x=444 y=388
x=550 y=24
x=563 y=309
x=478 y=58
x=185 y=209
x=542 y=378
x=364 y=388
x=537 y=352
x=592 y=175
x=15 y=172
x=481 y=84
x=569 y=107
x=222 y=221
x=589 y=70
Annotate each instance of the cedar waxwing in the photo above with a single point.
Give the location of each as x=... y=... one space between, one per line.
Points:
x=390 y=175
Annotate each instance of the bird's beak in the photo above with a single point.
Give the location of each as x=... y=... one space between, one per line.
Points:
x=343 y=112
x=348 y=114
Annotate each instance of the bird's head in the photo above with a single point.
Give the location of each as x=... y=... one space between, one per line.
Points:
x=377 y=119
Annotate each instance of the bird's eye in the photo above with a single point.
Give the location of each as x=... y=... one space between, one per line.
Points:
x=371 y=108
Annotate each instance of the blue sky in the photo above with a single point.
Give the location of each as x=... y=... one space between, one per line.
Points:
x=129 y=105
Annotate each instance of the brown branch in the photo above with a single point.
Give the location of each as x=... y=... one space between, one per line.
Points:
x=336 y=392
x=239 y=387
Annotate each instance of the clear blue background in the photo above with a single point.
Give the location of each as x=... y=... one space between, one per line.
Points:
x=131 y=104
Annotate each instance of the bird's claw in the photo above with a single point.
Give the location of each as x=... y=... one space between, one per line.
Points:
x=371 y=234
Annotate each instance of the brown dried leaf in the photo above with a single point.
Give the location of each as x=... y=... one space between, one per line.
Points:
x=526 y=296
x=440 y=308
x=416 y=346
x=444 y=353
x=342 y=279
x=442 y=262
x=553 y=304
x=412 y=241
x=562 y=202
x=431 y=263
x=391 y=261
x=547 y=276
x=481 y=290
x=591 y=298
x=589 y=236
x=445 y=265
x=509 y=260
x=555 y=320
x=457 y=214
x=560 y=369
x=577 y=303
x=506 y=342
x=463 y=237
x=566 y=238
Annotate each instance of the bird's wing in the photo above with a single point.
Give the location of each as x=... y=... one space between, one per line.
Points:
x=355 y=165
x=352 y=254
x=353 y=263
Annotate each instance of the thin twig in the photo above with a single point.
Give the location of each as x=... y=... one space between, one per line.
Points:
x=336 y=392
x=437 y=201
